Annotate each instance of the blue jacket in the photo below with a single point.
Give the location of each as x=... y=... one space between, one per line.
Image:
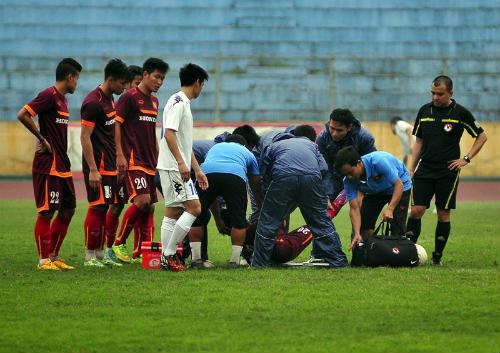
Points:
x=267 y=139
x=359 y=137
x=291 y=155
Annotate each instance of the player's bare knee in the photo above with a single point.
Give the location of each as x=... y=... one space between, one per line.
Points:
x=46 y=214
x=67 y=213
x=116 y=209
x=193 y=208
x=417 y=212
x=443 y=215
x=143 y=202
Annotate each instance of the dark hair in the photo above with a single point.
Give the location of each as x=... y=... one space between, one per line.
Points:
x=343 y=116
x=190 y=73
x=347 y=155
x=395 y=119
x=116 y=69
x=67 y=66
x=248 y=133
x=236 y=138
x=152 y=64
x=133 y=70
x=445 y=80
x=305 y=130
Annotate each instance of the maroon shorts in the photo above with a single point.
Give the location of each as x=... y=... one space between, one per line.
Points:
x=110 y=191
x=53 y=193
x=289 y=246
x=140 y=183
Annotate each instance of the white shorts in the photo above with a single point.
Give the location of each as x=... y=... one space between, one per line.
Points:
x=175 y=190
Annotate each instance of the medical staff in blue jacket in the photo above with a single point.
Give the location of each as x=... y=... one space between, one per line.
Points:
x=291 y=168
x=384 y=180
x=341 y=131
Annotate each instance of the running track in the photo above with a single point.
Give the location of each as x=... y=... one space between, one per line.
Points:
x=467 y=190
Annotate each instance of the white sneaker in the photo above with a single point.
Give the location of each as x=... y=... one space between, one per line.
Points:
x=244 y=262
x=314 y=262
x=208 y=264
x=293 y=264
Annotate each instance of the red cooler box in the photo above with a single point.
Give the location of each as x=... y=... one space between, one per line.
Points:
x=151 y=252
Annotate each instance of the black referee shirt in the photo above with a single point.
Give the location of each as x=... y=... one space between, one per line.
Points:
x=441 y=130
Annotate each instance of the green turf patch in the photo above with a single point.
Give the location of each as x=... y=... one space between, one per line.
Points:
x=454 y=308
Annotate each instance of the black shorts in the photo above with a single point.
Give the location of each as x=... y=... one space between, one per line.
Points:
x=233 y=189
x=372 y=206
x=441 y=182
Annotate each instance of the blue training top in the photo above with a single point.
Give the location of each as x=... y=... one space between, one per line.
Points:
x=382 y=171
x=230 y=158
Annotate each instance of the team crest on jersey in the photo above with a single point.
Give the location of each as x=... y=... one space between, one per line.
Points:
x=154 y=105
x=113 y=104
x=140 y=101
x=448 y=127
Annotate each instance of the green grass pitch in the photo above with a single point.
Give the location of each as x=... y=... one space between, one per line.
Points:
x=454 y=308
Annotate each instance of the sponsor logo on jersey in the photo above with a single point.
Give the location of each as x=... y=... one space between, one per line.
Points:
x=395 y=250
x=147 y=118
x=448 y=127
x=61 y=121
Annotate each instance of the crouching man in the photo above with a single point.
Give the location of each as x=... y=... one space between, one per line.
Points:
x=383 y=179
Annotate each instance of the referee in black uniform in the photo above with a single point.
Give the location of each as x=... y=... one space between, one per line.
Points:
x=436 y=160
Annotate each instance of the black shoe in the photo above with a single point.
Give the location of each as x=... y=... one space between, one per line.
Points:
x=436 y=260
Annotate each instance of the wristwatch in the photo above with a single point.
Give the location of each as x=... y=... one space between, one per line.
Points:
x=467 y=159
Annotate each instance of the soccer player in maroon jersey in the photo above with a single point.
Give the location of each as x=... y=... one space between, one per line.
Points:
x=52 y=178
x=135 y=77
x=137 y=154
x=99 y=164
x=113 y=215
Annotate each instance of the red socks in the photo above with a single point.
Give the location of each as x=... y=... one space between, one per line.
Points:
x=146 y=228
x=128 y=222
x=58 y=231
x=42 y=237
x=94 y=229
x=111 y=227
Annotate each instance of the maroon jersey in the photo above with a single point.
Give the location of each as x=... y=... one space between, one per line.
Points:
x=137 y=114
x=98 y=111
x=52 y=110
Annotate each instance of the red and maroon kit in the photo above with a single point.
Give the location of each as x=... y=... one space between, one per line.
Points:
x=53 y=115
x=50 y=192
x=98 y=111
x=137 y=114
x=52 y=178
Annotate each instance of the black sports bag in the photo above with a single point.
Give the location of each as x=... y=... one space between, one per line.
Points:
x=384 y=250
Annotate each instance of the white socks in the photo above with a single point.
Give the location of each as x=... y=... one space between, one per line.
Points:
x=99 y=254
x=167 y=227
x=195 y=250
x=89 y=254
x=235 y=253
x=182 y=227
